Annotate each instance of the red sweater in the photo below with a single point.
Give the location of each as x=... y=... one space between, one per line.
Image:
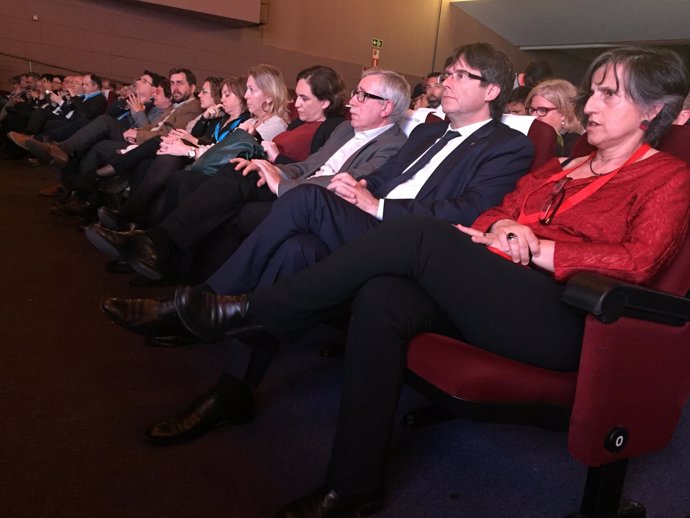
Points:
x=296 y=143
x=629 y=229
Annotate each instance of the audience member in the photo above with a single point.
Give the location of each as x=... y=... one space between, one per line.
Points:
x=516 y=101
x=267 y=100
x=430 y=109
x=535 y=72
x=553 y=102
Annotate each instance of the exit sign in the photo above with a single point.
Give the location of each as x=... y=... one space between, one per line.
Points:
x=376 y=43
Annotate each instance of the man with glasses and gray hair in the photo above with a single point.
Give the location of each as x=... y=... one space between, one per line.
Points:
x=453 y=171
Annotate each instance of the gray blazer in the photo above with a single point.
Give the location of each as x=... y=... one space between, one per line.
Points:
x=368 y=158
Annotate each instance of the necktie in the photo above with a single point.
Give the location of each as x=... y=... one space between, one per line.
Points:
x=423 y=160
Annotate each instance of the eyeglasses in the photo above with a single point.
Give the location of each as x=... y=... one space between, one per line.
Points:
x=459 y=75
x=541 y=111
x=557 y=196
x=362 y=96
x=143 y=80
x=432 y=85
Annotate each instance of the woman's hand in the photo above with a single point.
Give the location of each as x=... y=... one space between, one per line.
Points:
x=173 y=146
x=183 y=134
x=271 y=150
x=213 y=111
x=249 y=126
x=510 y=237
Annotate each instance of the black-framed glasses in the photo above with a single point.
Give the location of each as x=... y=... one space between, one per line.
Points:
x=554 y=203
x=541 y=111
x=459 y=75
x=143 y=80
x=362 y=96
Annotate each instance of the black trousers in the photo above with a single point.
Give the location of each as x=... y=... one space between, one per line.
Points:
x=413 y=275
x=153 y=182
x=205 y=202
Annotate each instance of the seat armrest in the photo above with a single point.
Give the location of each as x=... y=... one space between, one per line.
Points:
x=609 y=299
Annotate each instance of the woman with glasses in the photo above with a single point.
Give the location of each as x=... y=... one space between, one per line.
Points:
x=553 y=102
x=621 y=211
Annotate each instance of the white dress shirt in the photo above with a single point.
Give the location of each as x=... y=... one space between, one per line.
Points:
x=358 y=141
x=408 y=190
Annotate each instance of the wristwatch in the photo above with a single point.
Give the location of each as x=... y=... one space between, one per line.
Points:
x=191 y=153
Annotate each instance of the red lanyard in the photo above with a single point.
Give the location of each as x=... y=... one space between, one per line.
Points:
x=585 y=193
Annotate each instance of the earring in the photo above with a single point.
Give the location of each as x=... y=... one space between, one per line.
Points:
x=644 y=125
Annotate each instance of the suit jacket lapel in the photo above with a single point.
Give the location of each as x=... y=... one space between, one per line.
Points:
x=449 y=165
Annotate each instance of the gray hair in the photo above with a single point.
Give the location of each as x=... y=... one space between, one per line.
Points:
x=648 y=76
x=395 y=88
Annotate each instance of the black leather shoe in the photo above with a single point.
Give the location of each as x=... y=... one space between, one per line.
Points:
x=114 y=220
x=210 y=410
x=111 y=242
x=326 y=503
x=144 y=257
x=148 y=317
x=210 y=316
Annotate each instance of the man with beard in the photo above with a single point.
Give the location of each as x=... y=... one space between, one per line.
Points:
x=432 y=110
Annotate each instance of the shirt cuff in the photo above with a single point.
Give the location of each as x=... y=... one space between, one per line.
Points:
x=379 y=210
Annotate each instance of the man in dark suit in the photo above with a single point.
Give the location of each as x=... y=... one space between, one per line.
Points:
x=360 y=145
x=436 y=173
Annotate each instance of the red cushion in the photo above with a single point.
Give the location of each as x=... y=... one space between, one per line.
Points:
x=473 y=374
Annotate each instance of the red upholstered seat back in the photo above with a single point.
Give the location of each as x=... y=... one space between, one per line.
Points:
x=543 y=138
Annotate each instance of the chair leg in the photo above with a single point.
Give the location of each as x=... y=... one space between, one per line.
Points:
x=603 y=490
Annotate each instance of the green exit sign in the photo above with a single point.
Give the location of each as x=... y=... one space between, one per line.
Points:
x=376 y=43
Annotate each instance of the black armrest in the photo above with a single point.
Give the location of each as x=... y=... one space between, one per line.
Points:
x=609 y=299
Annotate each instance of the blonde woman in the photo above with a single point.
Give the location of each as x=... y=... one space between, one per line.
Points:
x=553 y=102
x=267 y=101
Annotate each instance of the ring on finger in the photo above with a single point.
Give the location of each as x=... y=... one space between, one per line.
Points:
x=510 y=236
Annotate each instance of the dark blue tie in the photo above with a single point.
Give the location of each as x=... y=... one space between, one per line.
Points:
x=419 y=164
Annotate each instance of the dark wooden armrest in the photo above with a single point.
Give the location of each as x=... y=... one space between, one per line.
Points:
x=609 y=299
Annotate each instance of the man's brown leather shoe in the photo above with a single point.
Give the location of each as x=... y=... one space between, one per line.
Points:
x=50 y=153
x=148 y=317
x=215 y=408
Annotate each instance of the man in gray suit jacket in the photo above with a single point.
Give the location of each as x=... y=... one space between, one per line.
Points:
x=358 y=146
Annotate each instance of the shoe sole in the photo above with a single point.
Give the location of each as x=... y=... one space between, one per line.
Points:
x=17 y=143
x=102 y=244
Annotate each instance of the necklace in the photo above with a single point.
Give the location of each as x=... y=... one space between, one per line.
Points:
x=592 y=169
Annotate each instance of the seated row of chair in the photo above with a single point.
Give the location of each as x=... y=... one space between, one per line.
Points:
x=363 y=222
